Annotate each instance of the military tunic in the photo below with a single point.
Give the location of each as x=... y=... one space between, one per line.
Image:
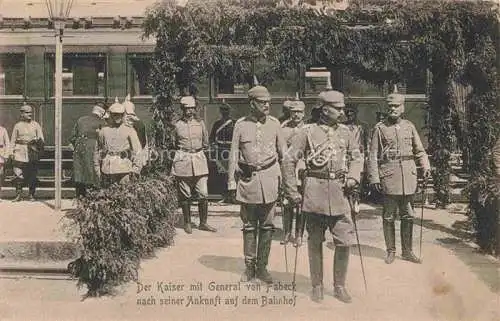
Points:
x=323 y=196
x=256 y=144
x=289 y=131
x=190 y=163
x=4 y=151
x=117 y=151
x=4 y=146
x=23 y=133
x=84 y=140
x=221 y=136
x=393 y=152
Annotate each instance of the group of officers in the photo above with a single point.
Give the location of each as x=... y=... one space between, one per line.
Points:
x=312 y=168
x=109 y=146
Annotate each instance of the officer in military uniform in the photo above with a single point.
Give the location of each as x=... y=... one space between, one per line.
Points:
x=138 y=125
x=285 y=110
x=392 y=171
x=361 y=133
x=290 y=127
x=84 y=140
x=254 y=176
x=190 y=166
x=220 y=138
x=117 y=149
x=333 y=167
x=27 y=144
x=4 y=153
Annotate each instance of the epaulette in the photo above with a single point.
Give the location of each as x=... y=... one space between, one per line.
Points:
x=240 y=119
x=274 y=119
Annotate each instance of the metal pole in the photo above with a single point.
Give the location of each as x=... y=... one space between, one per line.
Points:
x=59 y=26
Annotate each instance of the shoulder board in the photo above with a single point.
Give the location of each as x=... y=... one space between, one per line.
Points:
x=273 y=119
x=342 y=126
x=240 y=119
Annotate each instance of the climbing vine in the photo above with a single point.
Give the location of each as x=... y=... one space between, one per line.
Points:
x=380 y=42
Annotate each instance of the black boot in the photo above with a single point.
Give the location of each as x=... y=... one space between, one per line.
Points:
x=315 y=253
x=203 y=212
x=340 y=263
x=407 y=242
x=186 y=212
x=250 y=253
x=390 y=241
x=19 y=192
x=287 y=218
x=263 y=250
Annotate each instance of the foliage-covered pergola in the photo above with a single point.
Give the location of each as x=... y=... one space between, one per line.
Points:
x=378 y=42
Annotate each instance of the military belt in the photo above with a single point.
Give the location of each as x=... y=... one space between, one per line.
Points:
x=23 y=141
x=191 y=150
x=398 y=158
x=248 y=169
x=339 y=175
x=122 y=154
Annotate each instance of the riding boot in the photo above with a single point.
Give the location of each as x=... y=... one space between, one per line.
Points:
x=315 y=251
x=203 y=212
x=186 y=211
x=340 y=263
x=263 y=250
x=19 y=190
x=287 y=217
x=250 y=252
x=407 y=242
x=390 y=241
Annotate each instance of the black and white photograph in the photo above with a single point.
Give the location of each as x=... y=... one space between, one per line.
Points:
x=250 y=160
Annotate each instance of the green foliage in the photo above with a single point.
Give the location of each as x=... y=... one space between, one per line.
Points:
x=380 y=42
x=119 y=226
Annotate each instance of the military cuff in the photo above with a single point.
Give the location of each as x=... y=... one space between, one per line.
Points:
x=231 y=186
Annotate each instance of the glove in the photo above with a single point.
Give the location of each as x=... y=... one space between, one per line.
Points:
x=351 y=183
x=295 y=200
x=376 y=187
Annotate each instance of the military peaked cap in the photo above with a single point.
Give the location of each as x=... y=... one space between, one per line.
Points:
x=332 y=97
x=259 y=92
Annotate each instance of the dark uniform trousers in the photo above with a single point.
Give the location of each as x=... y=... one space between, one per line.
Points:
x=28 y=177
x=340 y=227
x=393 y=203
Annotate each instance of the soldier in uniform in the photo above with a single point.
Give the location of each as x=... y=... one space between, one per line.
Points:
x=289 y=128
x=117 y=149
x=333 y=167
x=27 y=144
x=138 y=125
x=285 y=112
x=4 y=153
x=84 y=140
x=392 y=171
x=361 y=133
x=254 y=176
x=190 y=166
x=220 y=137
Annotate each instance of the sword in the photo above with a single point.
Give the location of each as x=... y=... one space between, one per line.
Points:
x=284 y=242
x=424 y=187
x=354 y=204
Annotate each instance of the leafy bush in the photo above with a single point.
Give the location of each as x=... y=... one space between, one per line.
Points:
x=119 y=226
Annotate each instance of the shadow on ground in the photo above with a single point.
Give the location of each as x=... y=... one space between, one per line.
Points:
x=366 y=250
x=483 y=267
x=237 y=266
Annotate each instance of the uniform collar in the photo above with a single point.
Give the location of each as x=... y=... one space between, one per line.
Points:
x=254 y=119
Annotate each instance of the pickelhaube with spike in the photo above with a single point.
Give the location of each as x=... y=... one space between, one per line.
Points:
x=116 y=108
x=395 y=98
x=258 y=91
x=129 y=106
x=297 y=104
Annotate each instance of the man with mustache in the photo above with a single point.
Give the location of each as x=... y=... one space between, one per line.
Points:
x=395 y=149
x=333 y=168
x=254 y=176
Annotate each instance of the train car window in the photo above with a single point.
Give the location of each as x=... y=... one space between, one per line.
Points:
x=234 y=77
x=83 y=75
x=12 y=71
x=140 y=68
